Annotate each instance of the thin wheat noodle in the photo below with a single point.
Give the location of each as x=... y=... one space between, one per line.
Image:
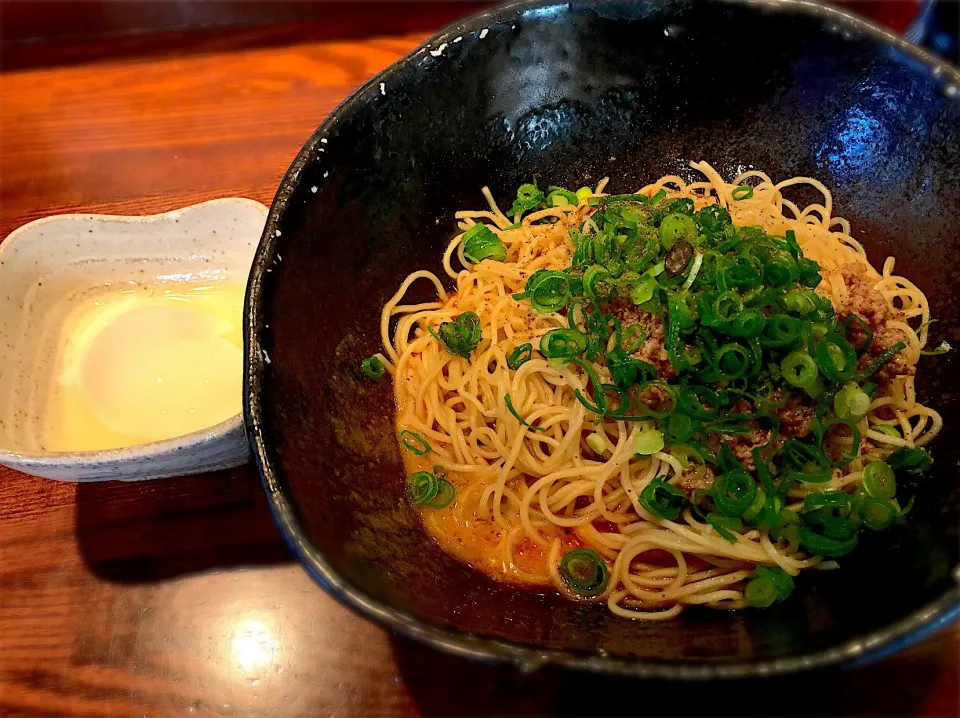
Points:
x=540 y=493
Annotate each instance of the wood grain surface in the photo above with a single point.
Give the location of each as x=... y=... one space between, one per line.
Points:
x=178 y=597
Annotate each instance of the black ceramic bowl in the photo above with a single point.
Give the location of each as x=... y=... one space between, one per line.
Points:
x=573 y=92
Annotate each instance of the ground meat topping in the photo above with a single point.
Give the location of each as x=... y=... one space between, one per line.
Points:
x=742 y=445
x=894 y=367
x=696 y=478
x=865 y=301
x=862 y=298
x=795 y=418
x=652 y=350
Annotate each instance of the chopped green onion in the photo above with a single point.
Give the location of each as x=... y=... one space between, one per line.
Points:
x=647 y=442
x=882 y=359
x=780 y=270
x=549 y=291
x=815 y=389
x=372 y=368
x=743 y=275
x=808 y=462
x=734 y=492
x=679 y=428
x=732 y=361
x=432 y=491
x=422 y=487
x=836 y=358
x=781 y=332
x=748 y=323
x=528 y=197
x=677 y=227
x=643 y=290
x=596 y=443
x=563 y=343
x=694 y=270
x=633 y=336
x=700 y=402
x=445 y=495
x=725 y=526
x=909 y=459
x=879 y=480
x=509 y=402
x=596 y=283
x=799 y=369
x=662 y=499
x=888 y=430
x=414 y=443
x=877 y=514
x=585 y=572
x=760 y=592
x=462 y=335
x=560 y=197
x=602 y=404
x=656 y=270
x=727 y=306
x=785 y=524
x=838 y=501
x=583 y=193
x=848 y=455
x=760 y=596
x=659 y=413
x=782 y=580
x=809 y=272
x=851 y=402
x=758 y=503
x=624 y=371
x=480 y=243
x=825 y=546
x=742 y=192
x=811 y=474
x=519 y=356
x=801 y=303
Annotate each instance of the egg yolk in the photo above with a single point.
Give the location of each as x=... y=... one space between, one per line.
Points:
x=147 y=364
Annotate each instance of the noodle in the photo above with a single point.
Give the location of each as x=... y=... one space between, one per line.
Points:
x=526 y=496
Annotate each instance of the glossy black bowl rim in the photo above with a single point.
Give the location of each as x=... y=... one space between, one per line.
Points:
x=892 y=638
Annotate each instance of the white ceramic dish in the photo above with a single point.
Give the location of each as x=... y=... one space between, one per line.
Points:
x=213 y=239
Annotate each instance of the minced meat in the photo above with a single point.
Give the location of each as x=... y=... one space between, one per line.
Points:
x=875 y=310
x=795 y=418
x=696 y=478
x=894 y=367
x=652 y=350
x=862 y=298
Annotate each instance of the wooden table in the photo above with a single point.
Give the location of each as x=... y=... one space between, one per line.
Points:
x=178 y=597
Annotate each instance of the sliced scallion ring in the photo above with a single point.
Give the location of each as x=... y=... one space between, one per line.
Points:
x=585 y=572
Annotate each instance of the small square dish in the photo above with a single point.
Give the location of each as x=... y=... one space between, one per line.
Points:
x=97 y=313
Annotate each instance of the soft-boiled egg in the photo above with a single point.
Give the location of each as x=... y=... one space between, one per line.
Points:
x=146 y=363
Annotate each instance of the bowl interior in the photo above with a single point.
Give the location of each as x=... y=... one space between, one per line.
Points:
x=572 y=93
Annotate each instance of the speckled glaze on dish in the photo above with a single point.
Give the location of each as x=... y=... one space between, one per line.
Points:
x=570 y=93
x=43 y=261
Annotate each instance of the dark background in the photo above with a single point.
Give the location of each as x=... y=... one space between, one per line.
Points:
x=45 y=32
